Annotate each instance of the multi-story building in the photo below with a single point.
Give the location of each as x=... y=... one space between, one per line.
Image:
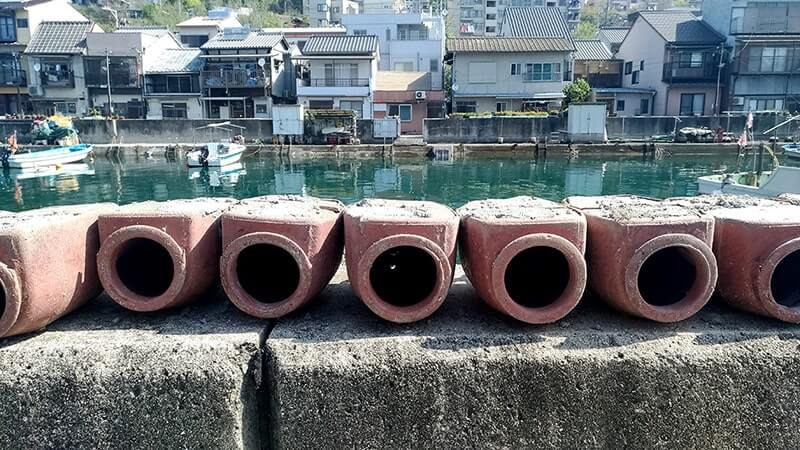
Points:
x=196 y=31
x=499 y=74
x=299 y=36
x=244 y=73
x=172 y=83
x=55 y=64
x=595 y=63
x=763 y=52
x=382 y=6
x=323 y=13
x=339 y=72
x=410 y=42
x=676 y=55
x=19 y=20
x=408 y=96
x=113 y=68
x=486 y=17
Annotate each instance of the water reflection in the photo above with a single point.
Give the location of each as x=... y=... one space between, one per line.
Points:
x=130 y=178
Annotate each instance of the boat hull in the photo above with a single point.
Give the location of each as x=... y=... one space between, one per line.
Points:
x=52 y=157
x=782 y=180
x=232 y=156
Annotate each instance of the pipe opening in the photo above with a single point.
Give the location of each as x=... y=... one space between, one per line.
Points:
x=784 y=283
x=145 y=267
x=267 y=273
x=667 y=276
x=2 y=301
x=403 y=276
x=537 y=276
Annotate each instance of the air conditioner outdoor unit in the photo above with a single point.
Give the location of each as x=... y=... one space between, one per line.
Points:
x=420 y=95
x=35 y=91
x=738 y=101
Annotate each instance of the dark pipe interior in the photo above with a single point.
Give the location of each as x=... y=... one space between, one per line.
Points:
x=403 y=276
x=145 y=267
x=785 y=281
x=2 y=301
x=537 y=276
x=667 y=276
x=267 y=272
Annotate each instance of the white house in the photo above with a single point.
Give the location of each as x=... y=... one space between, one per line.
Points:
x=196 y=31
x=339 y=73
x=410 y=42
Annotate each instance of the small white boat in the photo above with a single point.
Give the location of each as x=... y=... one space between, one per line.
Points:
x=780 y=180
x=48 y=158
x=215 y=155
x=791 y=151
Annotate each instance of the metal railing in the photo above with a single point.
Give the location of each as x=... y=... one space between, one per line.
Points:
x=674 y=73
x=118 y=79
x=336 y=82
x=603 y=80
x=760 y=64
x=236 y=78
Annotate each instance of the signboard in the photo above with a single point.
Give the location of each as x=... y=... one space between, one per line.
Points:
x=388 y=128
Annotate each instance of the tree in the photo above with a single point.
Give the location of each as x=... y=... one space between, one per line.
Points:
x=577 y=91
x=585 y=30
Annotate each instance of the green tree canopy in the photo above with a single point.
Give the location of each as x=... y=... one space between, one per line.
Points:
x=577 y=91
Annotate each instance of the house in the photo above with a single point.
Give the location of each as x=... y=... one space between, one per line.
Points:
x=408 y=96
x=244 y=74
x=196 y=31
x=498 y=74
x=113 y=69
x=55 y=64
x=595 y=63
x=762 y=58
x=323 y=13
x=410 y=42
x=676 y=55
x=339 y=72
x=612 y=37
x=299 y=36
x=19 y=20
x=172 y=83
x=485 y=17
x=535 y=22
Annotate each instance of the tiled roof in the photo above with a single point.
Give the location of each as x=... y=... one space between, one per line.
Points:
x=59 y=38
x=508 y=44
x=681 y=27
x=152 y=30
x=202 y=21
x=591 y=50
x=614 y=35
x=173 y=60
x=252 y=39
x=535 y=22
x=341 y=45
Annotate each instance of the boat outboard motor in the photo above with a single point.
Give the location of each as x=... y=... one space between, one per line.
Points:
x=204 y=156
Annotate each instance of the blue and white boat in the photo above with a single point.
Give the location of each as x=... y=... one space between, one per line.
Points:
x=48 y=158
x=218 y=154
x=791 y=150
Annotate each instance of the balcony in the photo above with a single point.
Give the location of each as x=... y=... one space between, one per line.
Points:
x=674 y=73
x=123 y=79
x=749 y=64
x=12 y=77
x=233 y=78
x=357 y=87
x=603 y=80
x=58 y=80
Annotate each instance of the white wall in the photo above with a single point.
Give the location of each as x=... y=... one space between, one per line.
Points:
x=643 y=43
x=194 y=106
x=503 y=82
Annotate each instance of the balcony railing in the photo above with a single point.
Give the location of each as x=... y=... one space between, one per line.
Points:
x=12 y=77
x=233 y=78
x=120 y=79
x=765 y=64
x=603 y=80
x=336 y=82
x=674 y=73
x=64 y=80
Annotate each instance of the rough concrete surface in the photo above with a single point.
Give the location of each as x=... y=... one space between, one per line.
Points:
x=104 y=377
x=467 y=377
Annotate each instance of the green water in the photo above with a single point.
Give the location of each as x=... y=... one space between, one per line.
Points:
x=130 y=179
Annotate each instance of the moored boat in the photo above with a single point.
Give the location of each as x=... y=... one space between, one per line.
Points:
x=791 y=151
x=47 y=158
x=221 y=153
x=780 y=180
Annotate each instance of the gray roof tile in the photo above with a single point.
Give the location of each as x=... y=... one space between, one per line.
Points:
x=614 y=35
x=59 y=38
x=173 y=60
x=341 y=45
x=535 y=22
x=681 y=27
x=508 y=44
x=242 y=39
x=591 y=50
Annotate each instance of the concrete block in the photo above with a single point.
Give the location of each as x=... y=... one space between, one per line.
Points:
x=648 y=258
x=470 y=377
x=400 y=256
x=47 y=264
x=157 y=255
x=107 y=378
x=524 y=256
x=279 y=252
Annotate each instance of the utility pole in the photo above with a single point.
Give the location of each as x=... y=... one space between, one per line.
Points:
x=108 y=83
x=719 y=77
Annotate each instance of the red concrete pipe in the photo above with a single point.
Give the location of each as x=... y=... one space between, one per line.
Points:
x=279 y=252
x=157 y=255
x=47 y=264
x=647 y=258
x=400 y=256
x=524 y=256
x=758 y=250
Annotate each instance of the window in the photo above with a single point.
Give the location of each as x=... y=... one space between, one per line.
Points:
x=335 y=10
x=388 y=34
x=516 y=69
x=320 y=104
x=65 y=108
x=356 y=106
x=773 y=59
x=765 y=104
x=8 y=30
x=491 y=17
x=542 y=72
x=360 y=32
x=173 y=110
x=620 y=105
x=635 y=77
x=737 y=20
x=404 y=66
x=322 y=7
x=434 y=65
x=692 y=104
x=55 y=72
x=641 y=65
x=466 y=107
x=690 y=60
x=491 y=4
x=261 y=108
x=193 y=41
x=491 y=29
x=628 y=67
x=22 y=23
x=401 y=111
x=501 y=107
x=644 y=106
